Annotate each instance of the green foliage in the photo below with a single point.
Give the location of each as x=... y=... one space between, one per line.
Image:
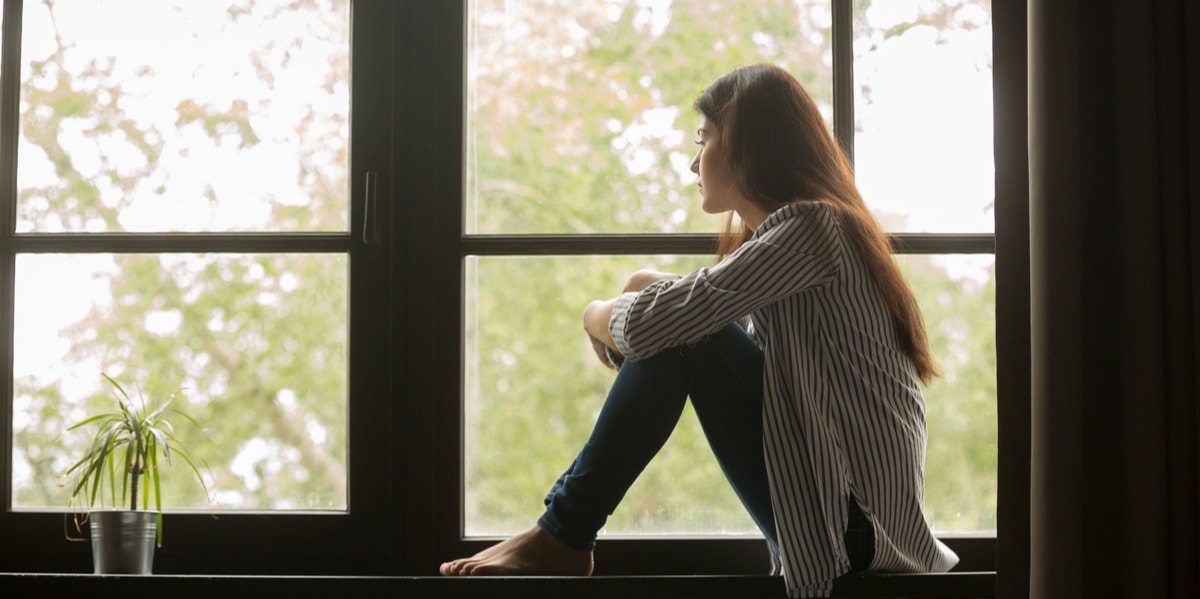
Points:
x=264 y=343
x=236 y=120
x=71 y=105
x=960 y=464
x=130 y=442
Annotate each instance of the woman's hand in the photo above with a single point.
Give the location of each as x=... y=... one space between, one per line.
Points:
x=599 y=312
x=607 y=356
x=595 y=322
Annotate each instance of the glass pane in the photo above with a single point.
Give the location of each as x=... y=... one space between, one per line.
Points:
x=184 y=115
x=957 y=294
x=259 y=342
x=579 y=113
x=534 y=388
x=923 y=141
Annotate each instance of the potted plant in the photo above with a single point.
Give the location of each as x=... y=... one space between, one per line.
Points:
x=119 y=465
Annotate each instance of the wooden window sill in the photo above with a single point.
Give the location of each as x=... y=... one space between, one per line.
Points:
x=967 y=585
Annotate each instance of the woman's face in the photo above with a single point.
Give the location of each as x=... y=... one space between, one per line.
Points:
x=717 y=188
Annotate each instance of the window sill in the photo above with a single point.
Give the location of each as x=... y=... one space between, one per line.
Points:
x=973 y=585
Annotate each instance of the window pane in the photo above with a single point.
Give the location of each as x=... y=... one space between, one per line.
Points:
x=957 y=294
x=534 y=388
x=259 y=341
x=923 y=141
x=184 y=115
x=579 y=115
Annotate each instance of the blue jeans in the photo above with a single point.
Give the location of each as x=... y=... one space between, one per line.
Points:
x=723 y=375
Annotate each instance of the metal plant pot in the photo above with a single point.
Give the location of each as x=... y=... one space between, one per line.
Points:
x=123 y=541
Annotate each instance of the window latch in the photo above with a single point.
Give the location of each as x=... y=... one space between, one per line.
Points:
x=370 y=233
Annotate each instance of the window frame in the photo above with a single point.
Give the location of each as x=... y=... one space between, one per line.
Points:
x=200 y=541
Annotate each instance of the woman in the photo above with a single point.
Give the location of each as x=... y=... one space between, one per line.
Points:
x=813 y=408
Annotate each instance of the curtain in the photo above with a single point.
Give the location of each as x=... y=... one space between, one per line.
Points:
x=1114 y=224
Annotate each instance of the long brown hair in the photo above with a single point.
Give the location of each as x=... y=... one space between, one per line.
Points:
x=781 y=151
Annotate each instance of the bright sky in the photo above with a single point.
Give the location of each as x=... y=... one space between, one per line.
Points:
x=924 y=148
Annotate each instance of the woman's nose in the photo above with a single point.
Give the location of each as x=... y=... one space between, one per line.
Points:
x=696 y=164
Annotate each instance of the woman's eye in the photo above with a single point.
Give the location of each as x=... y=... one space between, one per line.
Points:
x=699 y=142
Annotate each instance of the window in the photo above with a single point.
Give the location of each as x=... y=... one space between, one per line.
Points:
x=578 y=133
x=178 y=212
x=361 y=231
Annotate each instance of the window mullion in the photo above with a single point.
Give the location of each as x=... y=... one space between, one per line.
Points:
x=692 y=244
x=843 y=74
x=128 y=243
x=10 y=82
x=10 y=57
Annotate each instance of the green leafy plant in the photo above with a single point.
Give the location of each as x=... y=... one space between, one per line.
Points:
x=130 y=442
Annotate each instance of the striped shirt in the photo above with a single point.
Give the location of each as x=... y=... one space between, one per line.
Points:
x=843 y=412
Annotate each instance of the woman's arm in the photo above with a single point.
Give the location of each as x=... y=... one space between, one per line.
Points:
x=799 y=247
x=598 y=312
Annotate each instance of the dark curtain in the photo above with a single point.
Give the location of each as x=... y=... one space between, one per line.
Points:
x=1114 y=166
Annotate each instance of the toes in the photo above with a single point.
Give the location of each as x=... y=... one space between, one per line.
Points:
x=454 y=568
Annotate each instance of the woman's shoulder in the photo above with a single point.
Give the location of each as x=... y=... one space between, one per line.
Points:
x=811 y=219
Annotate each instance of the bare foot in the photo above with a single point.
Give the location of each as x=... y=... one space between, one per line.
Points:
x=531 y=553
